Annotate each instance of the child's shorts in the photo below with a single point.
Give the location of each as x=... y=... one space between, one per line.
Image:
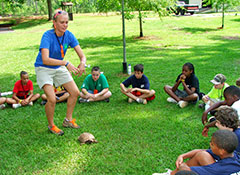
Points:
x=137 y=93
x=22 y=97
x=59 y=95
x=93 y=92
x=183 y=94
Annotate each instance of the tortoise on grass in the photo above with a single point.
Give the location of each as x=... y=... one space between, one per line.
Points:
x=87 y=138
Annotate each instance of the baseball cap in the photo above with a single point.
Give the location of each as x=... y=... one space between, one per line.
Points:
x=218 y=79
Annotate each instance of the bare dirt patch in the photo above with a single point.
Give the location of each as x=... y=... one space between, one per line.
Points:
x=168 y=46
x=121 y=75
x=231 y=37
x=147 y=38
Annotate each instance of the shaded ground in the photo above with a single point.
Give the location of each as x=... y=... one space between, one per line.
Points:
x=9 y=24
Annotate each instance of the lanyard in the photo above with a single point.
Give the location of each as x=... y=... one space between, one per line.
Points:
x=61 y=44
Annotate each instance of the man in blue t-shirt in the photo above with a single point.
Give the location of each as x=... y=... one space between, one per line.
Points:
x=140 y=91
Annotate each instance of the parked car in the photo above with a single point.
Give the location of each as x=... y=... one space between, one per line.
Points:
x=182 y=8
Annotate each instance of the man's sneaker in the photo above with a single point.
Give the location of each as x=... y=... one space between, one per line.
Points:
x=140 y=100
x=130 y=100
x=70 y=124
x=166 y=173
x=211 y=119
x=182 y=104
x=43 y=102
x=202 y=105
x=55 y=130
x=107 y=100
x=2 y=106
x=14 y=106
x=171 y=100
x=83 y=100
x=30 y=104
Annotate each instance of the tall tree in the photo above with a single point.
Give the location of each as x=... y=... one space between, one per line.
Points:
x=224 y=5
x=49 y=3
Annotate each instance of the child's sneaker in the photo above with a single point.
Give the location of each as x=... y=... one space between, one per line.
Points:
x=2 y=106
x=140 y=100
x=202 y=105
x=55 y=130
x=30 y=104
x=43 y=102
x=83 y=100
x=171 y=100
x=70 y=124
x=166 y=173
x=130 y=100
x=211 y=119
x=182 y=104
x=14 y=106
x=107 y=100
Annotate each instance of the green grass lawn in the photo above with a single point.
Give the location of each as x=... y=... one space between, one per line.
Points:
x=133 y=138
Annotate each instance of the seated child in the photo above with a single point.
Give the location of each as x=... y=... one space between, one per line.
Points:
x=95 y=87
x=23 y=92
x=232 y=96
x=61 y=95
x=140 y=91
x=223 y=144
x=190 y=85
x=2 y=101
x=216 y=93
x=226 y=119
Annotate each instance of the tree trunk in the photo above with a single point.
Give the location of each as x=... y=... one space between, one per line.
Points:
x=49 y=2
x=140 y=23
x=223 y=9
x=3 y=11
x=36 y=11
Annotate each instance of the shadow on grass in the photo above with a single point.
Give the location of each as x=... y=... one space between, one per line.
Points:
x=143 y=135
x=28 y=23
x=194 y=30
x=34 y=47
x=236 y=20
x=94 y=42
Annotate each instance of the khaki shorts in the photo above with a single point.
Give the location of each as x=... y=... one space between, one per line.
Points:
x=50 y=76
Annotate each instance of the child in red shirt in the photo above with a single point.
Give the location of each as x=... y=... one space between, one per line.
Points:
x=23 y=92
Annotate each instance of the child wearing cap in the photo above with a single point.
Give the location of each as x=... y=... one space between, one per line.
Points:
x=216 y=93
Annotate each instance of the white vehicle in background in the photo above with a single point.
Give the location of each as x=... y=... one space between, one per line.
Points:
x=188 y=6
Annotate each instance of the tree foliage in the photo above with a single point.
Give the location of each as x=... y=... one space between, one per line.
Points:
x=140 y=6
x=224 y=5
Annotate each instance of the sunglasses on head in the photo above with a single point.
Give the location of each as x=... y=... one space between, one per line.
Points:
x=58 y=13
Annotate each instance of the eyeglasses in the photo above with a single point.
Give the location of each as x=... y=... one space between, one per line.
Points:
x=58 y=13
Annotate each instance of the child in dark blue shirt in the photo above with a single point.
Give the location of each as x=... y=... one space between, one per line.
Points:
x=140 y=90
x=190 y=92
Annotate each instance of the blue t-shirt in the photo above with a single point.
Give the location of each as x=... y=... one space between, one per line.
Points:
x=191 y=81
x=49 y=41
x=227 y=166
x=142 y=83
x=217 y=158
x=237 y=132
